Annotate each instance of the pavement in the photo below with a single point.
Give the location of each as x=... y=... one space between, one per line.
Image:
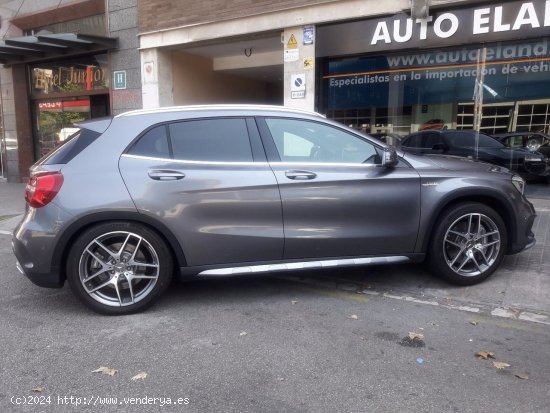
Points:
x=324 y=341
x=12 y=205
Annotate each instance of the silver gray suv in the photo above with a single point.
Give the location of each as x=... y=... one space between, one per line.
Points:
x=130 y=201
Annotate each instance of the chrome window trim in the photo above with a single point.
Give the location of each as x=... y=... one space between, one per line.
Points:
x=185 y=161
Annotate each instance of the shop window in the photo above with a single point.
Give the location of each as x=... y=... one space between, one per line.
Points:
x=403 y=92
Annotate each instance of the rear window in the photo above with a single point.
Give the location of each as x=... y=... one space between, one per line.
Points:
x=74 y=144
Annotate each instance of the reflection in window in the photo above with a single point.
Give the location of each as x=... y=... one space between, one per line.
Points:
x=305 y=141
x=214 y=140
x=153 y=143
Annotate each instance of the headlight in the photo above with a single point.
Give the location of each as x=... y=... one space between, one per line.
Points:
x=519 y=183
x=533 y=145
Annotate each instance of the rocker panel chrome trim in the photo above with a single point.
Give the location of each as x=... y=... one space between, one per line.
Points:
x=345 y=262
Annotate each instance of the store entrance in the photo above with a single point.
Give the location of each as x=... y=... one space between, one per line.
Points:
x=55 y=119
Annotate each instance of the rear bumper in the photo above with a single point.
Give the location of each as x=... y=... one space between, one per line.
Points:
x=27 y=267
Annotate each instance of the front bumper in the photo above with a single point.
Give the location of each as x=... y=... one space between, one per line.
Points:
x=524 y=237
x=540 y=168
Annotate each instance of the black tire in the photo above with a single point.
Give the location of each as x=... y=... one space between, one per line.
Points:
x=464 y=251
x=127 y=267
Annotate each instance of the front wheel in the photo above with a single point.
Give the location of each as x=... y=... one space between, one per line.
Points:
x=468 y=243
x=119 y=267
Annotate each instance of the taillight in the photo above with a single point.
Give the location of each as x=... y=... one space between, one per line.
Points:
x=42 y=188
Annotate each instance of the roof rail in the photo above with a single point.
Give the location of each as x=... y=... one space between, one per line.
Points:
x=169 y=109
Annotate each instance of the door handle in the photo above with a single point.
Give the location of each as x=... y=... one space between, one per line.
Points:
x=300 y=175
x=165 y=175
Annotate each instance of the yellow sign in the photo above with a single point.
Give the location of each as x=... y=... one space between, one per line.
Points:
x=308 y=63
x=292 y=43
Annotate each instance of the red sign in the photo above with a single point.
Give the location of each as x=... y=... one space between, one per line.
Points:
x=82 y=104
x=50 y=106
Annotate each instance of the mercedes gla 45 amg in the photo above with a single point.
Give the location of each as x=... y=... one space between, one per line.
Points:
x=130 y=201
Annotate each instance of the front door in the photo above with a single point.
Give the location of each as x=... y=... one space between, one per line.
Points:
x=336 y=200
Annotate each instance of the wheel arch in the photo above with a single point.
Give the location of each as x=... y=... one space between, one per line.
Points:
x=70 y=234
x=490 y=198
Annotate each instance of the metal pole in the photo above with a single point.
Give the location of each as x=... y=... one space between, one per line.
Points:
x=478 y=94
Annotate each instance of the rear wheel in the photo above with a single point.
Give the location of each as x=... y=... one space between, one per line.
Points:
x=468 y=243
x=119 y=267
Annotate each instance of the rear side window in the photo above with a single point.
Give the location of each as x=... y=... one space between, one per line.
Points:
x=153 y=143
x=215 y=140
x=74 y=144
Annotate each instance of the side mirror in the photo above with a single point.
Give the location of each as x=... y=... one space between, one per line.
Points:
x=389 y=157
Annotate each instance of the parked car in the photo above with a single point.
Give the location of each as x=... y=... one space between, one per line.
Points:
x=533 y=141
x=469 y=144
x=218 y=190
x=392 y=139
x=433 y=124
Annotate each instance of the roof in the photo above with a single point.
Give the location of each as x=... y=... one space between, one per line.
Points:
x=266 y=108
x=35 y=48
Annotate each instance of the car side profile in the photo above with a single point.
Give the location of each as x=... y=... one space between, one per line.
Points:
x=468 y=143
x=130 y=201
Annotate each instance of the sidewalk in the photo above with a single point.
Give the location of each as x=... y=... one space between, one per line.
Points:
x=12 y=205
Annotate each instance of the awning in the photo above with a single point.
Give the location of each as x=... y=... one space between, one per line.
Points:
x=50 y=46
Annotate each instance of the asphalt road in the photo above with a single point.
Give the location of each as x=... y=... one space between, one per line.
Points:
x=302 y=351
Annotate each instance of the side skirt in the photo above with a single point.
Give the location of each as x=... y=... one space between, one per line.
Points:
x=267 y=267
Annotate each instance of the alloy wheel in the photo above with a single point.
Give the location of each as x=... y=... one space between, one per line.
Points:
x=471 y=244
x=119 y=268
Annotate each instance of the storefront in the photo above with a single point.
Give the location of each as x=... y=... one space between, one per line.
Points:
x=399 y=75
x=64 y=93
x=56 y=71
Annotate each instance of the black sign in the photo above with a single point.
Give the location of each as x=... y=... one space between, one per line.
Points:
x=484 y=23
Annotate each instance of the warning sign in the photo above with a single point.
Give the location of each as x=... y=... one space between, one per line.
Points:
x=292 y=43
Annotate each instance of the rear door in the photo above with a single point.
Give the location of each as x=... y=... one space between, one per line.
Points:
x=208 y=180
x=336 y=200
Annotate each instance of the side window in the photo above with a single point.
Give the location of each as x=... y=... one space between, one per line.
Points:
x=153 y=143
x=306 y=141
x=516 y=141
x=215 y=140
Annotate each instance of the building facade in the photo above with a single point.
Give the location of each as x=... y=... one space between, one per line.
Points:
x=390 y=67
x=378 y=66
x=59 y=61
